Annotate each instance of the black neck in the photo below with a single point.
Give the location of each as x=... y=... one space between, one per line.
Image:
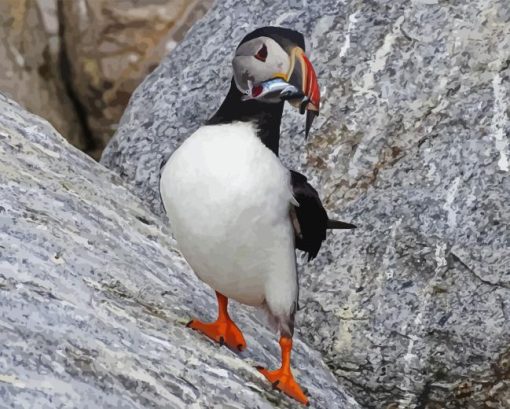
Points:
x=267 y=117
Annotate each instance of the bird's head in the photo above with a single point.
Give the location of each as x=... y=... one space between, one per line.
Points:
x=270 y=65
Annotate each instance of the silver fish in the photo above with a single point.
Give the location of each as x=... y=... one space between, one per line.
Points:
x=272 y=90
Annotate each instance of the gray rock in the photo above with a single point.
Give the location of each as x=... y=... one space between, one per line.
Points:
x=411 y=310
x=94 y=296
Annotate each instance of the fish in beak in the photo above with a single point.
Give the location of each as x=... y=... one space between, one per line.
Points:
x=273 y=90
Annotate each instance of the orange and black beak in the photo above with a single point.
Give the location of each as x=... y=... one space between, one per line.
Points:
x=302 y=75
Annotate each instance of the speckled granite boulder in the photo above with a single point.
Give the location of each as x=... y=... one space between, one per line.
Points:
x=94 y=296
x=412 y=309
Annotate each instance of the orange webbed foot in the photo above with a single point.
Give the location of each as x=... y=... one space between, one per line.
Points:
x=225 y=332
x=283 y=380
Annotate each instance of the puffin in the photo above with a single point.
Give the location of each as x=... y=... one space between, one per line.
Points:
x=236 y=212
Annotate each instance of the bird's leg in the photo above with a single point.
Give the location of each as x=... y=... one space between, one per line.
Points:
x=223 y=330
x=282 y=378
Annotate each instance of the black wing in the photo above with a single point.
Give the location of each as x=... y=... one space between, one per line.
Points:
x=312 y=218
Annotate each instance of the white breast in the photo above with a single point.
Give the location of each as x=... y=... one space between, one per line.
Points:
x=227 y=197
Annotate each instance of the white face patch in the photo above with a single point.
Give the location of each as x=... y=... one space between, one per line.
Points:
x=247 y=67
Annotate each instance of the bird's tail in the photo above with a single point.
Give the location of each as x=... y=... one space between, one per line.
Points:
x=336 y=224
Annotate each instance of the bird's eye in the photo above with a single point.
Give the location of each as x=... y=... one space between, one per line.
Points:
x=262 y=53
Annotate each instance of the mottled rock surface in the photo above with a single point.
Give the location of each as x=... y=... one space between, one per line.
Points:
x=112 y=45
x=94 y=297
x=412 y=309
x=29 y=70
